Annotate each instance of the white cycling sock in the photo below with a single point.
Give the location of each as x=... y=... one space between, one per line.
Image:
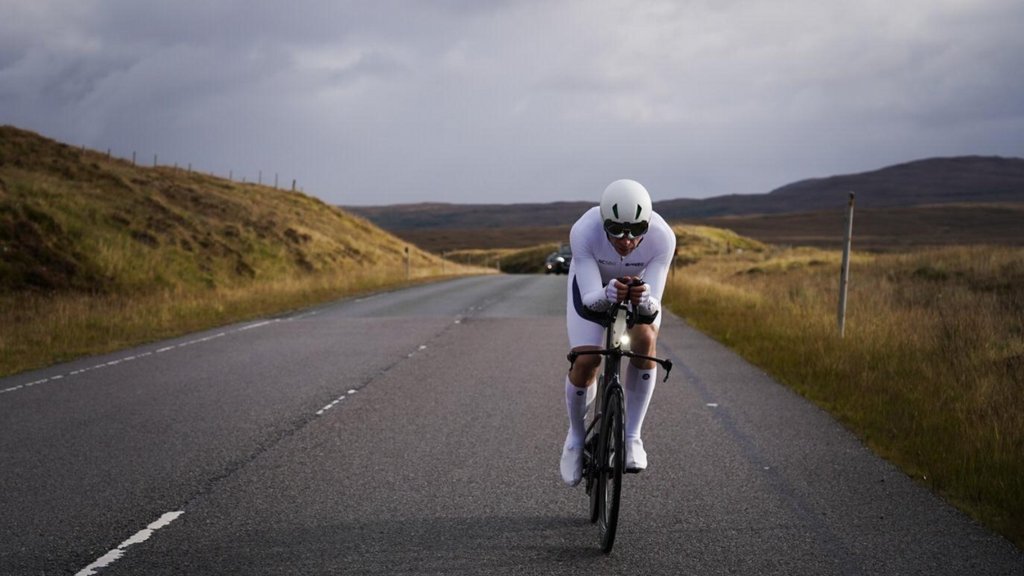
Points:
x=577 y=400
x=639 y=387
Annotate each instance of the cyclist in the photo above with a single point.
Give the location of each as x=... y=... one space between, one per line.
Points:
x=618 y=243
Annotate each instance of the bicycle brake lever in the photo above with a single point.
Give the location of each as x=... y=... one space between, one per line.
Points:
x=667 y=365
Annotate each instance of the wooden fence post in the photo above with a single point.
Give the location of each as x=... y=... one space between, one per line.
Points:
x=844 y=275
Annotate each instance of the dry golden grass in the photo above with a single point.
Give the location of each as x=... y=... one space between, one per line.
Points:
x=41 y=330
x=99 y=254
x=930 y=373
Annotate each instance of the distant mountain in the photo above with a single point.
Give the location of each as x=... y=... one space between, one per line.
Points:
x=957 y=180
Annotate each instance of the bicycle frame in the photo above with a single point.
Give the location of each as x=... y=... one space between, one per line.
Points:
x=596 y=469
x=614 y=352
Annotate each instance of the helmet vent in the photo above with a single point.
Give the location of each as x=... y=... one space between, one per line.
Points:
x=637 y=212
x=615 y=210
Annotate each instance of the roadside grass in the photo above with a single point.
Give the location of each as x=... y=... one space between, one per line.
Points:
x=930 y=373
x=97 y=254
x=42 y=330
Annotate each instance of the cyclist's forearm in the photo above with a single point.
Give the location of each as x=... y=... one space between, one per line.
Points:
x=657 y=275
x=588 y=277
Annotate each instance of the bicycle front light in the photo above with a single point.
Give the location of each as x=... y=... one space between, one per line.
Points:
x=624 y=341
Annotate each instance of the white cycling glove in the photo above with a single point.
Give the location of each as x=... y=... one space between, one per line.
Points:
x=611 y=291
x=645 y=295
x=648 y=305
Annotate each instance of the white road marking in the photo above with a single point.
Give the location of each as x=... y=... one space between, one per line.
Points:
x=139 y=537
x=136 y=356
x=257 y=325
x=712 y=405
x=329 y=406
x=321 y=411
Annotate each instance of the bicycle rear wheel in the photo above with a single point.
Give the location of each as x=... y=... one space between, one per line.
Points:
x=611 y=457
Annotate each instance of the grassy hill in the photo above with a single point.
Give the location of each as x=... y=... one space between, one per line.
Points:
x=886 y=229
x=73 y=219
x=138 y=253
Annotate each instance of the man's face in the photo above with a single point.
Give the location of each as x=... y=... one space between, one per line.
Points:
x=625 y=245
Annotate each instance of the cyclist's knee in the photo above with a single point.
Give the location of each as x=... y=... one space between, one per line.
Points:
x=644 y=339
x=584 y=370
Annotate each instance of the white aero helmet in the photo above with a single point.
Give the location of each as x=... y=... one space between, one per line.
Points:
x=626 y=209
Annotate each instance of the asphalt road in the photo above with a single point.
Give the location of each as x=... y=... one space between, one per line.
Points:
x=418 y=432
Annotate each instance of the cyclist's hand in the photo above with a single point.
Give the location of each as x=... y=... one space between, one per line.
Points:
x=616 y=291
x=640 y=295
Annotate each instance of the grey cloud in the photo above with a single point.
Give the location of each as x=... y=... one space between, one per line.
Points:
x=520 y=100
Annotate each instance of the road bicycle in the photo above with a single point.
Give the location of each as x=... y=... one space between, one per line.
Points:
x=604 y=451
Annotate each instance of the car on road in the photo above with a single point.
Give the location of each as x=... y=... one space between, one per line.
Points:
x=558 y=261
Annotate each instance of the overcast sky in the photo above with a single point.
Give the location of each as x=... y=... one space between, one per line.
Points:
x=395 y=101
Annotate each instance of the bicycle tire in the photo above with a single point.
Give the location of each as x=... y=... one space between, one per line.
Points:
x=590 y=466
x=612 y=459
x=592 y=484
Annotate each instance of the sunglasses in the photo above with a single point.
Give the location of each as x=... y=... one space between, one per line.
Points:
x=620 y=229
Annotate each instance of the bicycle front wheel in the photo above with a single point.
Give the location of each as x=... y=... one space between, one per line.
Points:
x=592 y=469
x=612 y=459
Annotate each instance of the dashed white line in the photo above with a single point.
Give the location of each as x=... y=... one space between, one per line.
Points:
x=139 y=537
x=135 y=357
x=257 y=325
x=321 y=411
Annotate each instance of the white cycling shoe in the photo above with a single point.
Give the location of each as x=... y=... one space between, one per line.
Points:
x=572 y=463
x=636 y=456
